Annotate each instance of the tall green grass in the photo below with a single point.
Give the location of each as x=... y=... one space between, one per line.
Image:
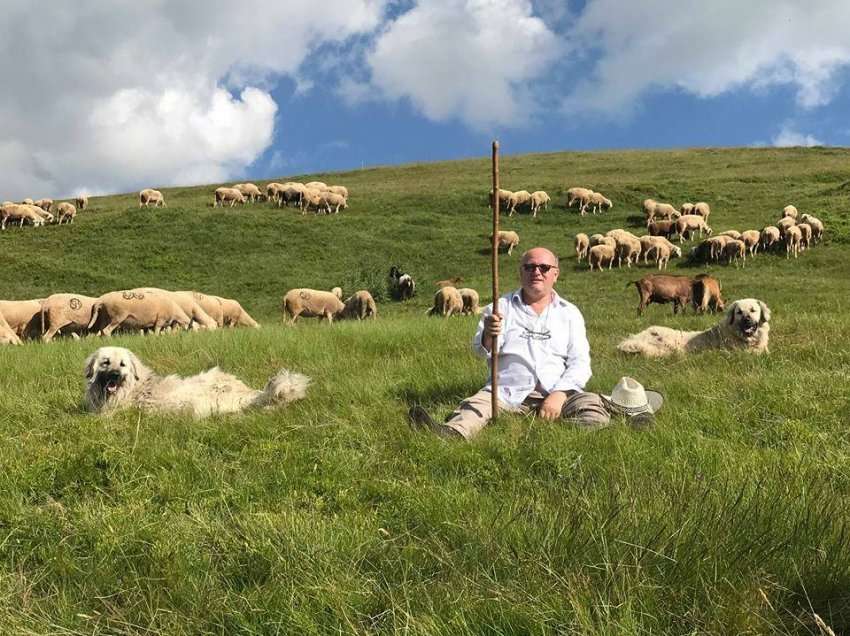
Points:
x=329 y=516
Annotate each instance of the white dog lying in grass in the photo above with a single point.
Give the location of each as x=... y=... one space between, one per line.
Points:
x=745 y=326
x=117 y=379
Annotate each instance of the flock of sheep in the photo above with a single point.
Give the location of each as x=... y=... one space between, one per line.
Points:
x=37 y=213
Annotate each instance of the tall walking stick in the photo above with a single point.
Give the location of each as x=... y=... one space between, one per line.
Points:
x=494 y=359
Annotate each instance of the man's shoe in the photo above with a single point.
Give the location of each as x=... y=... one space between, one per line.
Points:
x=421 y=420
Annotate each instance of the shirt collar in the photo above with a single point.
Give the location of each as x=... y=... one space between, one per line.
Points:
x=516 y=297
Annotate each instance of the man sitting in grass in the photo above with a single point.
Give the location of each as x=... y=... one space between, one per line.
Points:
x=544 y=357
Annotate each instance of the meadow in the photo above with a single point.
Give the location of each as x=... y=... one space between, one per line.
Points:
x=730 y=516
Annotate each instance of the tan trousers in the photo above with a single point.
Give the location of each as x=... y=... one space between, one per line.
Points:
x=584 y=409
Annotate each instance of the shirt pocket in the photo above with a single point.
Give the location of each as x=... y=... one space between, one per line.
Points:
x=559 y=343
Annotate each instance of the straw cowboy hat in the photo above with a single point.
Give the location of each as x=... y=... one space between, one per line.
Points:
x=630 y=398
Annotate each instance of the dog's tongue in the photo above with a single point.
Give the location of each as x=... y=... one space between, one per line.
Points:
x=111 y=386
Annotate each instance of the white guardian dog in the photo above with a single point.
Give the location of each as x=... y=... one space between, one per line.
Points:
x=745 y=326
x=117 y=379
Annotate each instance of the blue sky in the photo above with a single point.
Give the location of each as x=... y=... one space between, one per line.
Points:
x=165 y=95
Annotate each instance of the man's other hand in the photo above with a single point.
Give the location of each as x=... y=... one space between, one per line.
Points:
x=552 y=405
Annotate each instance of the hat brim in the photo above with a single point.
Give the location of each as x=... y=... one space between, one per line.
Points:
x=654 y=401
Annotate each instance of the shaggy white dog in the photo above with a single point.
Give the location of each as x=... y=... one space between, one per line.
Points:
x=745 y=326
x=116 y=379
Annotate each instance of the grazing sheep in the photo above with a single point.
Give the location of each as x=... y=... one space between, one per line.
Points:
x=311 y=198
x=600 y=255
x=686 y=208
x=22 y=213
x=663 y=288
x=735 y=250
x=706 y=294
x=770 y=236
x=7 y=336
x=23 y=317
x=717 y=244
x=311 y=303
x=228 y=195
x=66 y=212
x=596 y=239
x=44 y=204
x=648 y=207
x=233 y=315
x=648 y=244
x=599 y=203
x=447 y=301
x=662 y=228
x=452 y=281
x=666 y=211
x=790 y=211
x=507 y=238
x=805 y=235
x=504 y=199
x=44 y=214
x=65 y=313
x=291 y=192
x=210 y=304
x=137 y=310
x=690 y=224
x=334 y=200
x=751 y=239
x=273 y=191
x=539 y=199
x=582 y=246
x=340 y=190
x=784 y=223
x=520 y=198
x=148 y=196
x=189 y=305
x=702 y=209
x=580 y=196
x=250 y=191
x=816 y=225
x=316 y=185
x=735 y=234
x=628 y=246
x=360 y=305
x=82 y=201
x=470 y=301
x=402 y=285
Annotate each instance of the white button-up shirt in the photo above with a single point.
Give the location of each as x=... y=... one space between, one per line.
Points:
x=548 y=352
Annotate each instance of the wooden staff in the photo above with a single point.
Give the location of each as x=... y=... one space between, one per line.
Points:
x=494 y=359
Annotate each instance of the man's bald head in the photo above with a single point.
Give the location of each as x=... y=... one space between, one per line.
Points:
x=539 y=255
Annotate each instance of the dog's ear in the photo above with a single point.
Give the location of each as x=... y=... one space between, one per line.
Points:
x=88 y=367
x=731 y=312
x=765 y=313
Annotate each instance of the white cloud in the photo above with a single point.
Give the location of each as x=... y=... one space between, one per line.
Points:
x=152 y=93
x=708 y=48
x=790 y=137
x=468 y=59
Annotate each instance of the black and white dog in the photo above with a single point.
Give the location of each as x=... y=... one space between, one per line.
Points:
x=402 y=285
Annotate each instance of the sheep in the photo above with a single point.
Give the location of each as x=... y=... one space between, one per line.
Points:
x=751 y=239
x=44 y=204
x=539 y=199
x=337 y=291
x=816 y=225
x=582 y=246
x=665 y=211
x=20 y=212
x=628 y=246
x=689 y=224
x=470 y=301
x=717 y=244
x=81 y=201
x=340 y=190
x=504 y=199
x=233 y=315
x=599 y=202
x=580 y=196
x=7 y=336
x=228 y=195
x=702 y=209
x=447 y=301
x=686 y=208
x=784 y=223
x=249 y=190
x=735 y=234
x=793 y=238
x=452 y=281
x=44 y=214
x=706 y=294
x=273 y=191
x=290 y=192
x=647 y=244
x=790 y=211
x=137 y=309
x=23 y=317
x=311 y=198
x=402 y=285
x=148 y=196
x=360 y=305
x=65 y=211
x=316 y=185
x=27 y=201
x=65 y=313
x=806 y=236
x=648 y=207
x=334 y=200
x=508 y=238
x=662 y=228
x=662 y=253
x=519 y=198
x=596 y=239
x=600 y=255
x=311 y=303
x=735 y=250
x=189 y=304
x=662 y=288
x=770 y=236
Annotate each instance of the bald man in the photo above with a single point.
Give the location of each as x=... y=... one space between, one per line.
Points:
x=544 y=357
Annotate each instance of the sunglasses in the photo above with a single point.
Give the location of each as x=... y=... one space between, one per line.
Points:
x=543 y=267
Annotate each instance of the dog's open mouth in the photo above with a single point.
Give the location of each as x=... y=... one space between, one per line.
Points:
x=110 y=382
x=749 y=328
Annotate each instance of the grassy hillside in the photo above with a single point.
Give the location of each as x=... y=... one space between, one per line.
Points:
x=730 y=516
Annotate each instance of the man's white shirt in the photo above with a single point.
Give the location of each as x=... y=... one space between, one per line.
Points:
x=549 y=352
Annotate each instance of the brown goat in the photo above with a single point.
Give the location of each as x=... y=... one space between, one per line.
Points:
x=661 y=288
x=706 y=293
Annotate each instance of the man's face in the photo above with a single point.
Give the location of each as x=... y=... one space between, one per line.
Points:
x=538 y=272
